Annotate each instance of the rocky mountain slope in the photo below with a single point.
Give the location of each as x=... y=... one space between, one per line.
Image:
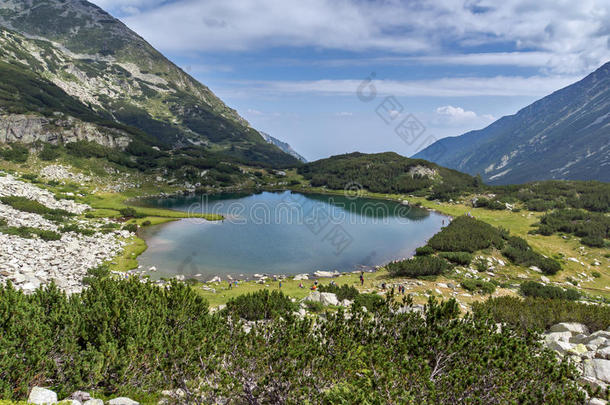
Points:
x=565 y=135
x=283 y=146
x=106 y=67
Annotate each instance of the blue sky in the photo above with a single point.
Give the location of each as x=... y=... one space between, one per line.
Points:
x=293 y=68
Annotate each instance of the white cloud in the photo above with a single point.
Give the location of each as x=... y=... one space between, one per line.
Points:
x=562 y=35
x=533 y=86
x=455 y=113
x=449 y=115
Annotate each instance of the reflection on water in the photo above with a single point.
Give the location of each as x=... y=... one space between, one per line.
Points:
x=283 y=233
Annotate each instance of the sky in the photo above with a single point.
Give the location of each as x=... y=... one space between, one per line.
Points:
x=337 y=76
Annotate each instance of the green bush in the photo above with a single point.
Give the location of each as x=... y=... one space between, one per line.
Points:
x=49 y=152
x=314 y=306
x=146 y=223
x=534 y=289
x=131 y=213
x=130 y=227
x=479 y=286
x=459 y=258
x=128 y=212
x=418 y=266
x=592 y=227
x=32 y=206
x=370 y=301
x=126 y=337
x=593 y=241
x=115 y=336
x=519 y=252
x=344 y=292
x=15 y=153
x=424 y=251
x=466 y=234
x=490 y=204
x=481 y=265
x=76 y=229
x=47 y=235
x=542 y=313
x=27 y=232
x=260 y=305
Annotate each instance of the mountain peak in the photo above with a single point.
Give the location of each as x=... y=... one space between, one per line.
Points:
x=565 y=135
x=98 y=60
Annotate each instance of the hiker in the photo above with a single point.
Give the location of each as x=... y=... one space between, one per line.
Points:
x=280 y=284
x=362 y=279
x=230 y=285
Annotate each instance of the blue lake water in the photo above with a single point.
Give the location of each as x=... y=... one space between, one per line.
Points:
x=283 y=233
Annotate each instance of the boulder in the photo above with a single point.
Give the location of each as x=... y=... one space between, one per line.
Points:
x=578 y=338
x=597 y=401
x=560 y=346
x=555 y=336
x=40 y=395
x=80 y=396
x=313 y=296
x=320 y=273
x=578 y=349
x=572 y=327
x=603 y=353
x=329 y=299
x=94 y=402
x=122 y=401
x=595 y=343
x=300 y=277
x=598 y=369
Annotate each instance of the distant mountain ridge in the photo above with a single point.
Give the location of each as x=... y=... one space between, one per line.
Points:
x=565 y=135
x=100 y=62
x=283 y=146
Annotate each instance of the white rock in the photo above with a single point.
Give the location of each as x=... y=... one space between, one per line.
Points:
x=325 y=273
x=300 y=277
x=598 y=369
x=545 y=279
x=578 y=338
x=572 y=327
x=122 y=401
x=328 y=299
x=557 y=336
x=560 y=346
x=597 y=401
x=313 y=296
x=603 y=353
x=536 y=269
x=94 y=401
x=40 y=395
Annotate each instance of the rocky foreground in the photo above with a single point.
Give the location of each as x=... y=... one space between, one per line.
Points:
x=590 y=352
x=30 y=263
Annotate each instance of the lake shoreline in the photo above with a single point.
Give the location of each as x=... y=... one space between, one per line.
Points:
x=250 y=276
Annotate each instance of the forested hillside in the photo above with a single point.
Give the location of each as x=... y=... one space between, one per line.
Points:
x=386 y=173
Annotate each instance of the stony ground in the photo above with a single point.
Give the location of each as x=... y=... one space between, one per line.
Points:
x=29 y=263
